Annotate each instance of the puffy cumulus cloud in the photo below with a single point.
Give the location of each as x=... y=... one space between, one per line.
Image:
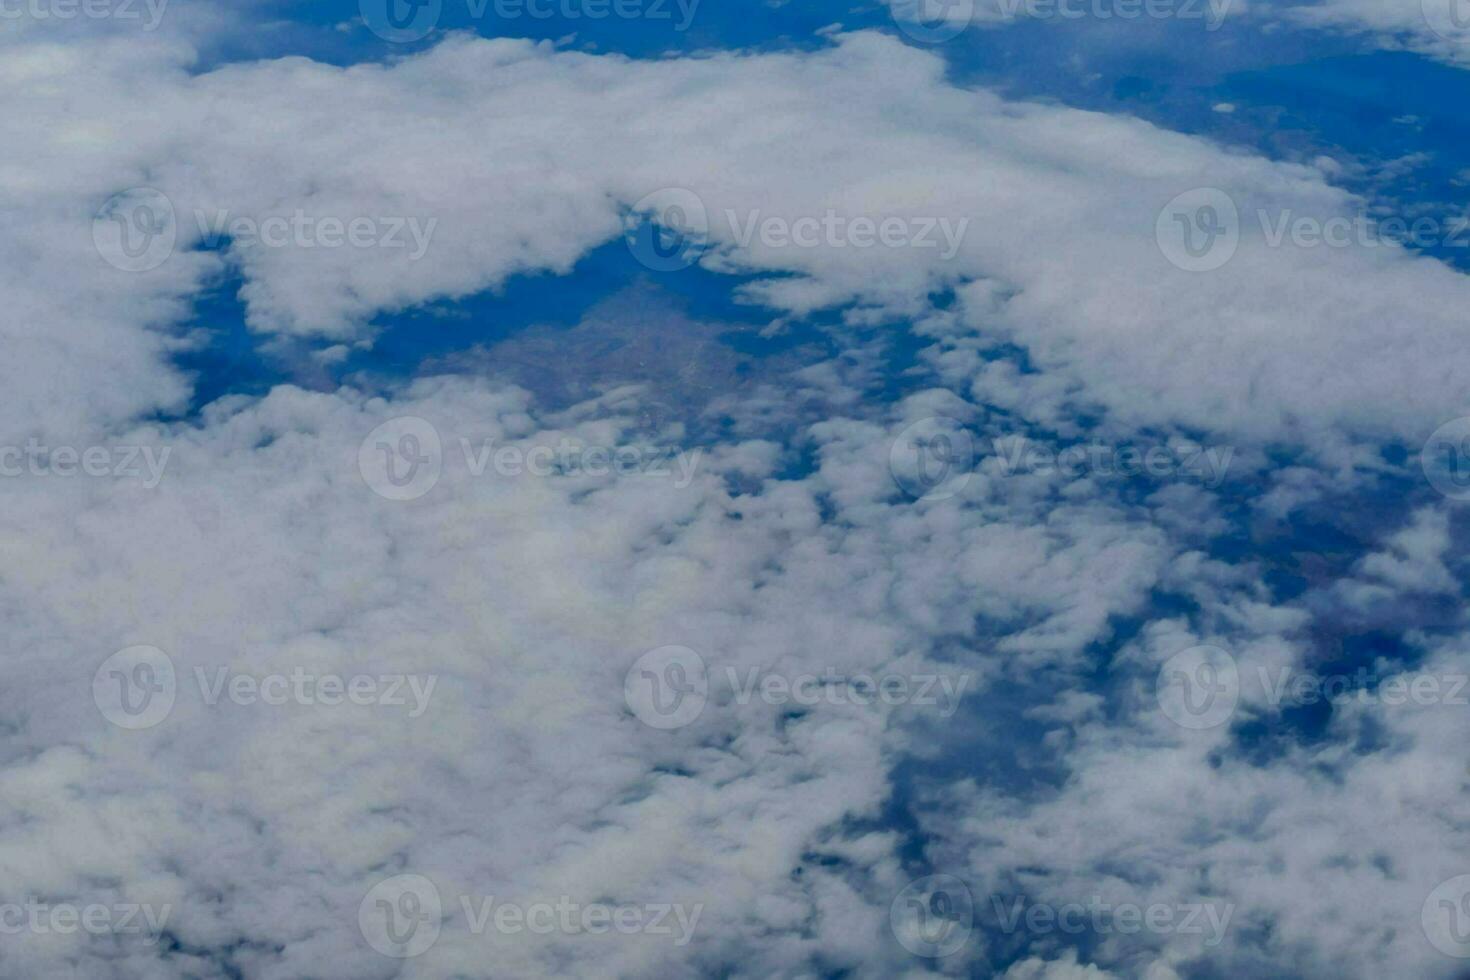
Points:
x=1436 y=28
x=526 y=777
x=1414 y=561
x=1255 y=843
x=1433 y=27
x=934 y=21
x=1066 y=968
x=478 y=160
x=262 y=551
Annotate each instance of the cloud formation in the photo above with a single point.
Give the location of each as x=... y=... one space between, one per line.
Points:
x=528 y=776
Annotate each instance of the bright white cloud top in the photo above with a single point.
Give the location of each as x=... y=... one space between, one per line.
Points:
x=526 y=776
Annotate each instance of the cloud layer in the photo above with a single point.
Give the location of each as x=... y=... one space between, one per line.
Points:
x=790 y=550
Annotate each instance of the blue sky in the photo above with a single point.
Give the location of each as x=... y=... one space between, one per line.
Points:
x=718 y=490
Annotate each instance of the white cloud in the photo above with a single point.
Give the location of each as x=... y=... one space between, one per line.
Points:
x=528 y=599
x=492 y=141
x=1433 y=27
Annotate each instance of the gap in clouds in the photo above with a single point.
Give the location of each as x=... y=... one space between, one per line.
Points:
x=702 y=350
x=1302 y=557
x=231 y=360
x=403 y=341
x=336 y=33
x=435 y=337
